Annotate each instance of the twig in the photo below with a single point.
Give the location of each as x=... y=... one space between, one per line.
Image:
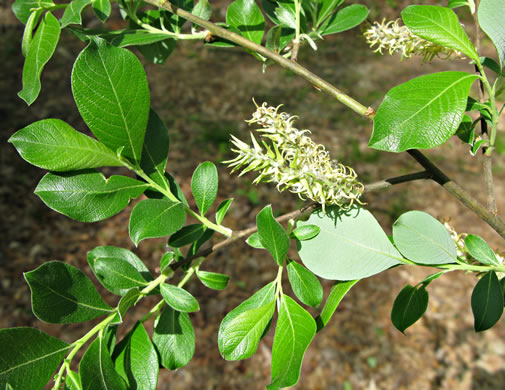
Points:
x=383 y=184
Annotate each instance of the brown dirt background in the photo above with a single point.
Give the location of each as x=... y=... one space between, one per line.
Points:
x=203 y=94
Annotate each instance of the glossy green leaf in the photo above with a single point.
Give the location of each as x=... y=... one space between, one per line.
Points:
x=29 y=357
x=260 y=298
x=174 y=338
x=159 y=51
x=421 y=113
x=152 y=218
x=111 y=92
x=305 y=285
x=97 y=370
x=466 y=130
x=72 y=14
x=54 y=145
x=430 y=278
x=23 y=8
x=206 y=236
x=63 y=294
x=487 y=302
x=337 y=293
x=492 y=64
x=179 y=299
x=204 y=185
x=409 y=306
x=246 y=16
x=222 y=209
x=254 y=241
x=213 y=280
x=423 y=239
x=137 y=38
x=202 y=9
x=155 y=150
x=345 y=19
x=130 y=298
x=491 y=14
x=32 y=22
x=87 y=196
x=272 y=235
x=458 y=3
x=102 y=9
x=326 y=8
x=294 y=332
x=187 y=235
x=480 y=250
x=439 y=25
x=40 y=51
x=117 y=274
x=351 y=245
x=242 y=334
x=305 y=232
x=286 y=14
x=136 y=361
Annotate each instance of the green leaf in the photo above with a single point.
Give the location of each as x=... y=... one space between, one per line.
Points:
x=409 y=306
x=130 y=298
x=491 y=14
x=204 y=186
x=87 y=196
x=32 y=357
x=326 y=8
x=72 y=14
x=272 y=235
x=136 y=361
x=286 y=14
x=179 y=299
x=111 y=92
x=137 y=38
x=63 y=294
x=118 y=274
x=187 y=235
x=72 y=381
x=158 y=52
x=122 y=258
x=54 y=145
x=40 y=51
x=23 y=8
x=306 y=232
x=32 y=22
x=294 y=332
x=457 y=3
x=246 y=16
x=487 y=302
x=260 y=298
x=206 y=236
x=242 y=334
x=423 y=239
x=466 y=130
x=102 y=9
x=345 y=19
x=174 y=338
x=492 y=65
x=151 y=218
x=305 y=285
x=439 y=25
x=337 y=293
x=202 y=9
x=480 y=250
x=254 y=241
x=421 y=113
x=213 y=280
x=278 y=38
x=222 y=209
x=97 y=370
x=351 y=245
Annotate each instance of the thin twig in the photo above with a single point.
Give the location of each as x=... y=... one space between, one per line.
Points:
x=383 y=184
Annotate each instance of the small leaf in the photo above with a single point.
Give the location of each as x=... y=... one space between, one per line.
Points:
x=63 y=294
x=187 y=235
x=202 y=9
x=213 y=280
x=204 y=186
x=294 y=332
x=421 y=113
x=327 y=7
x=23 y=8
x=222 y=209
x=136 y=361
x=254 y=241
x=272 y=235
x=32 y=22
x=174 y=338
x=39 y=53
x=466 y=130
x=130 y=298
x=337 y=293
x=409 y=306
x=306 y=286
x=54 y=145
x=102 y=9
x=345 y=19
x=423 y=239
x=246 y=16
x=439 y=25
x=97 y=370
x=491 y=14
x=480 y=250
x=159 y=51
x=179 y=299
x=137 y=38
x=118 y=274
x=305 y=232
x=72 y=381
x=153 y=218
x=487 y=302
x=72 y=14
x=87 y=196
x=29 y=351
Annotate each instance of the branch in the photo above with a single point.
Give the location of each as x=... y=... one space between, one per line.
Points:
x=383 y=184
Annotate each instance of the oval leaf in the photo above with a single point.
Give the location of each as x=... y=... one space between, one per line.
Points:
x=246 y=16
x=72 y=14
x=204 y=186
x=423 y=239
x=29 y=351
x=87 y=196
x=152 y=218
x=179 y=299
x=222 y=209
x=213 y=280
x=351 y=245
x=480 y=250
x=421 y=113
x=487 y=302
x=305 y=285
x=491 y=14
x=337 y=293
x=118 y=275
x=254 y=241
x=272 y=235
x=409 y=306
x=111 y=92
x=345 y=19
x=62 y=294
x=187 y=235
x=306 y=232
